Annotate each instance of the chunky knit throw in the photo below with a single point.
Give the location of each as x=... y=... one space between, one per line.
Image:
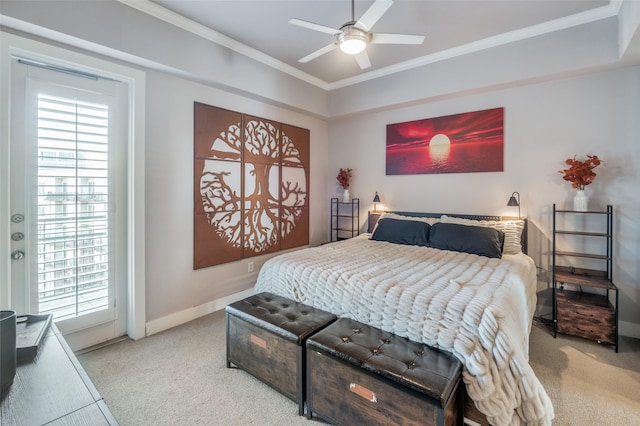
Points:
x=477 y=308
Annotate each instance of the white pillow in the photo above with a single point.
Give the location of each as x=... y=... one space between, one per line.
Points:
x=429 y=220
x=512 y=230
x=389 y=215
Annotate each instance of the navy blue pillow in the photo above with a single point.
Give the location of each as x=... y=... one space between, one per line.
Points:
x=409 y=232
x=467 y=239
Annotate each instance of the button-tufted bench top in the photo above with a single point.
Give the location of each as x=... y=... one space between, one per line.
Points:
x=291 y=320
x=417 y=366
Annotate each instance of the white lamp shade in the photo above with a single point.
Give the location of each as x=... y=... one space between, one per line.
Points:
x=353 y=40
x=353 y=46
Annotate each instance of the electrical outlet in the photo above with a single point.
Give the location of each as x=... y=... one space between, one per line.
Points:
x=250 y=267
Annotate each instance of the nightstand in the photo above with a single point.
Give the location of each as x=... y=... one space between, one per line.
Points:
x=345 y=219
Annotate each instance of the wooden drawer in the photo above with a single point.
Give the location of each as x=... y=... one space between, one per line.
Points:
x=586 y=315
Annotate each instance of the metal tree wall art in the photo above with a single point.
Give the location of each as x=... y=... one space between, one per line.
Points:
x=251 y=186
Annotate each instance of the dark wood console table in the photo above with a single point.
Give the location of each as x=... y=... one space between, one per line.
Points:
x=54 y=388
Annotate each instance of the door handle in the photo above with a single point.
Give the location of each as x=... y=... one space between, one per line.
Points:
x=17 y=255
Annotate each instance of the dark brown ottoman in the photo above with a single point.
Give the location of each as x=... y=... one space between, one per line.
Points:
x=358 y=374
x=266 y=337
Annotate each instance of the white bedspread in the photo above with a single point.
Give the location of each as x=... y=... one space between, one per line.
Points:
x=477 y=308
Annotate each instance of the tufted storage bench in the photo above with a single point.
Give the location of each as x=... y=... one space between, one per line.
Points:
x=358 y=374
x=266 y=337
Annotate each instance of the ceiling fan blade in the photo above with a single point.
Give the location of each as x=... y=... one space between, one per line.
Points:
x=318 y=52
x=363 y=60
x=374 y=13
x=312 y=26
x=381 y=38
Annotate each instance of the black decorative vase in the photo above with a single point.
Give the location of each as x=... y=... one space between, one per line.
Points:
x=7 y=350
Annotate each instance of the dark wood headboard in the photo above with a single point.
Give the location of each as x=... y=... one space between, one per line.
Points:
x=374 y=216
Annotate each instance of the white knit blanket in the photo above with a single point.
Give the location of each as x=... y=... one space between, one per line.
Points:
x=477 y=308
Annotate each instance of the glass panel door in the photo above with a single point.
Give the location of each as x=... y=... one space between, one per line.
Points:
x=67 y=183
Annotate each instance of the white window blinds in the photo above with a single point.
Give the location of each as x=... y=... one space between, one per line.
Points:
x=73 y=215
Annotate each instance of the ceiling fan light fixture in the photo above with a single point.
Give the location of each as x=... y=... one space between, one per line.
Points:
x=353 y=46
x=353 y=40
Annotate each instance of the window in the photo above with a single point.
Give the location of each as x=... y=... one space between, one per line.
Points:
x=73 y=222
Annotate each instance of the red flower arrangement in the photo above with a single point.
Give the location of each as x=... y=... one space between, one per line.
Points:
x=344 y=177
x=580 y=173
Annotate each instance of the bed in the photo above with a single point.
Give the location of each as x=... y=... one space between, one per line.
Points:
x=457 y=282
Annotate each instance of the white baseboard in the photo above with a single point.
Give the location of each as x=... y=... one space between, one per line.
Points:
x=182 y=317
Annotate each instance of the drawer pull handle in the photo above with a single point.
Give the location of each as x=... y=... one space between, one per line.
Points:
x=363 y=392
x=258 y=341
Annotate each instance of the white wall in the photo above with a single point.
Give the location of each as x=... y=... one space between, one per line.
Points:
x=544 y=124
x=568 y=51
x=172 y=284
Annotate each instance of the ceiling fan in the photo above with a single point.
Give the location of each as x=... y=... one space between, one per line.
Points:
x=354 y=36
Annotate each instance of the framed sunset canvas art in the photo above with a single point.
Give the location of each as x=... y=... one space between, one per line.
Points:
x=460 y=143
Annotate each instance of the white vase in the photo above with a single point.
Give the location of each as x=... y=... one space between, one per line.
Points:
x=580 y=201
x=346 y=198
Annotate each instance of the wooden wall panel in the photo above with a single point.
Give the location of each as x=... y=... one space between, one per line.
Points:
x=296 y=163
x=251 y=185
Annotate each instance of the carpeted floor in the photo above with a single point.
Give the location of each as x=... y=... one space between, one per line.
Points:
x=180 y=377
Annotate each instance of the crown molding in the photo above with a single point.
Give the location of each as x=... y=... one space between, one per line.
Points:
x=159 y=12
x=583 y=18
x=207 y=33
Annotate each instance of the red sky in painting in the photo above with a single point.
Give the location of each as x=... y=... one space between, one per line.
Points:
x=476 y=126
x=466 y=143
